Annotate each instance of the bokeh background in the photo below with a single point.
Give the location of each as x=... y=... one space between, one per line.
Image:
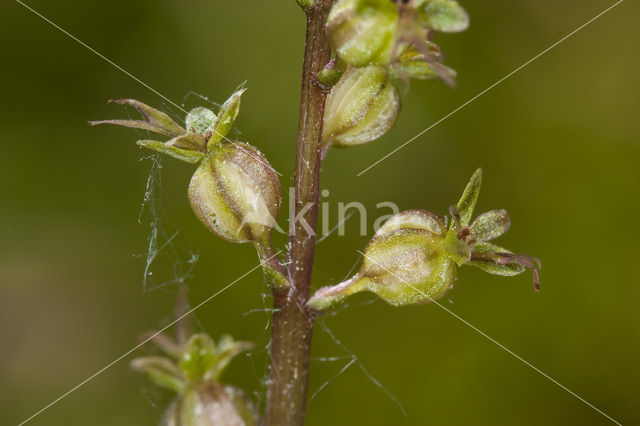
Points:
x=559 y=144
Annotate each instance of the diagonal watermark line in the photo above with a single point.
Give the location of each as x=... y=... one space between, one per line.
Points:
x=101 y=55
x=518 y=357
x=124 y=355
x=539 y=55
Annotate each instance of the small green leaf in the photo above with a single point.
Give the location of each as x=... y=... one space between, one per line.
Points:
x=162 y=371
x=469 y=198
x=445 y=16
x=490 y=225
x=226 y=117
x=199 y=357
x=155 y=121
x=192 y=157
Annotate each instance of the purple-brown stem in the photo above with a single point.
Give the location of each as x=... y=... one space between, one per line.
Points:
x=292 y=320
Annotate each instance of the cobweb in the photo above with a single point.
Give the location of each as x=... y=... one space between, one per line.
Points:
x=166 y=263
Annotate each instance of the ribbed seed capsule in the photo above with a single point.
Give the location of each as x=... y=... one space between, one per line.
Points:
x=360 y=108
x=362 y=31
x=404 y=263
x=415 y=258
x=236 y=194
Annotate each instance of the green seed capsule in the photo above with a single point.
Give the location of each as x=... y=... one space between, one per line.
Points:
x=236 y=194
x=362 y=31
x=360 y=108
x=415 y=258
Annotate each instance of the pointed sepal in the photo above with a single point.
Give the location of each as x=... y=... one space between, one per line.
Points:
x=469 y=198
x=162 y=371
x=154 y=120
x=192 y=157
x=225 y=119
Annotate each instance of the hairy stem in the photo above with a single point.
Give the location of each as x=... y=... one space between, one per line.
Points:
x=292 y=320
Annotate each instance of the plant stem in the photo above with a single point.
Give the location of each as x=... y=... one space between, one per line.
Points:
x=292 y=320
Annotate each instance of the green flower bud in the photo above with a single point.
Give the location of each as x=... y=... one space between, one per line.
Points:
x=360 y=108
x=192 y=369
x=362 y=31
x=415 y=258
x=236 y=194
x=200 y=120
x=211 y=404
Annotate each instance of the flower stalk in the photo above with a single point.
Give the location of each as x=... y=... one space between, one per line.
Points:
x=293 y=320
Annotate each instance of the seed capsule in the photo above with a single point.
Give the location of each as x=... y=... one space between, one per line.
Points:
x=234 y=191
x=360 y=108
x=415 y=258
x=236 y=194
x=362 y=31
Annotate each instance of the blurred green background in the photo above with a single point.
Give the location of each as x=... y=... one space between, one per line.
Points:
x=558 y=143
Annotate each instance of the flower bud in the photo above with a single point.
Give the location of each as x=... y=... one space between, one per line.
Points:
x=362 y=31
x=236 y=194
x=192 y=369
x=414 y=257
x=200 y=120
x=360 y=108
x=211 y=404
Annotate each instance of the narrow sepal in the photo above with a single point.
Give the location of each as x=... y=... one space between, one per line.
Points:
x=500 y=261
x=188 y=156
x=469 y=198
x=189 y=141
x=225 y=119
x=162 y=371
x=154 y=120
x=413 y=64
x=228 y=349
